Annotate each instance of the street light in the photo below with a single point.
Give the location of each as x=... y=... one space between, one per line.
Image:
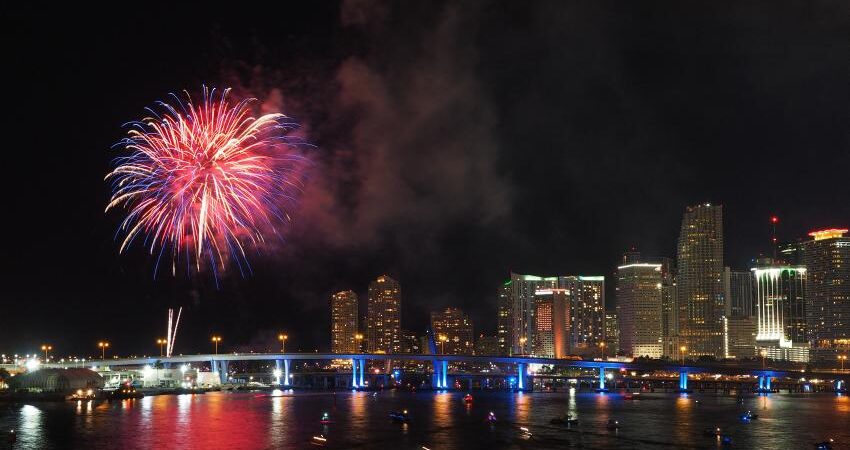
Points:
x=46 y=348
x=602 y=346
x=682 y=351
x=161 y=342
x=359 y=338
x=842 y=358
x=282 y=338
x=216 y=340
x=763 y=354
x=443 y=338
x=103 y=346
x=522 y=342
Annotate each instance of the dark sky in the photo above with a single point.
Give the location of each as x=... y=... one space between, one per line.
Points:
x=454 y=143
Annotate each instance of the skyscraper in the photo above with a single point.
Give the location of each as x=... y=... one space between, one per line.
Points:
x=552 y=323
x=587 y=312
x=344 y=322
x=669 y=312
x=503 y=322
x=740 y=293
x=639 y=309
x=827 y=258
x=383 y=316
x=781 y=312
x=612 y=332
x=453 y=332
x=522 y=309
x=701 y=298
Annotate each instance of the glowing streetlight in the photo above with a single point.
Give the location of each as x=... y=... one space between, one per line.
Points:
x=282 y=338
x=841 y=359
x=103 y=346
x=46 y=348
x=161 y=342
x=602 y=347
x=522 y=342
x=359 y=338
x=682 y=351
x=216 y=340
x=443 y=338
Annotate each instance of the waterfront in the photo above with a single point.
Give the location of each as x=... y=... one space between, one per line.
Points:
x=438 y=421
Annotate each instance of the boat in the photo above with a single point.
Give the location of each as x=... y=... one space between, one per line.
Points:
x=825 y=445
x=713 y=432
x=80 y=394
x=326 y=419
x=467 y=398
x=631 y=396
x=726 y=440
x=564 y=419
x=747 y=416
x=126 y=390
x=491 y=417
x=613 y=424
x=399 y=416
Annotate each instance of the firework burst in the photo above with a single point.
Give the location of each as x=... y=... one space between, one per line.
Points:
x=205 y=184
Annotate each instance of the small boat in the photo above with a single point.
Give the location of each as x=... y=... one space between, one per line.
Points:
x=319 y=440
x=825 y=445
x=631 y=396
x=491 y=418
x=326 y=419
x=749 y=416
x=564 y=419
x=713 y=432
x=126 y=390
x=613 y=424
x=467 y=398
x=726 y=440
x=399 y=416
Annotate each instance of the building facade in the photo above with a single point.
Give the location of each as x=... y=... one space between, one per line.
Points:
x=488 y=346
x=523 y=288
x=503 y=321
x=701 y=291
x=781 y=312
x=740 y=337
x=612 y=332
x=383 y=316
x=453 y=332
x=639 y=309
x=552 y=323
x=827 y=258
x=669 y=312
x=587 y=312
x=344 y=322
x=740 y=293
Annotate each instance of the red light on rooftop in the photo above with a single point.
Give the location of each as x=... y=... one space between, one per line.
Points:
x=774 y=219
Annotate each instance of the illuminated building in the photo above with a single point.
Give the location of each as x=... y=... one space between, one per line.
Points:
x=739 y=293
x=827 y=258
x=410 y=342
x=522 y=309
x=781 y=312
x=639 y=309
x=740 y=337
x=587 y=312
x=551 y=323
x=453 y=331
x=503 y=323
x=344 y=322
x=383 y=316
x=701 y=297
x=487 y=345
x=612 y=332
x=669 y=313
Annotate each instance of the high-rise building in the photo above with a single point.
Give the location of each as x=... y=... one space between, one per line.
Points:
x=383 y=316
x=781 y=312
x=522 y=309
x=344 y=322
x=639 y=309
x=612 y=332
x=827 y=258
x=587 y=312
x=701 y=297
x=487 y=345
x=669 y=312
x=503 y=322
x=740 y=337
x=453 y=332
x=739 y=293
x=410 y=342
x=552 y=323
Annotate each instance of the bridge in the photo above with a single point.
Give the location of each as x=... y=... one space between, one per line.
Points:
x=220 y=362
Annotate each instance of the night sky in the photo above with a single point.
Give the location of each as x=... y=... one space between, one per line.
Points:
x=454 y=143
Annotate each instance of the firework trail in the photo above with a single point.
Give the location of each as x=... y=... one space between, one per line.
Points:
x=205 y=183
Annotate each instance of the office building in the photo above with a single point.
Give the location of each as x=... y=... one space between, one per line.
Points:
x=552 y=323
x=587 y=312
x=383 y=316
x=503 y=322
x=740 y=338
x=522 y=289
x=781 y=312
x=669 y=312
x=739 y=288
x=612 y=332
x=487 y=345
x=639 y=309
x=453 y=332
x=344 y=322
x=827 y=259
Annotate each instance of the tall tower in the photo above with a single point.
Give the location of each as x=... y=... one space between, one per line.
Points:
x=780 y=306
x=453 y=332
x=827 y=258
x=344 y=322
x=552 y=323
x=700 y=285
x=383 y=316
x=669 y=312
x=503 y=322
x=639 y=309
x=523 y=288
x=586 y=295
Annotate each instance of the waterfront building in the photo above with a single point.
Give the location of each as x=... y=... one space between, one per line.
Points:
x=410 y=342
x=587 y=312
x=739 y=288
x=503 y=322
x=552 y=323
x=522 y=289
x=612 y=332
x=453 y=332
x=383 y=316
x=827 y=259
x=669 y=312
x=487 y=345
x=639 y=309
x=701 y=297
x=344 y=322
x=740 y=335
x=781 y=312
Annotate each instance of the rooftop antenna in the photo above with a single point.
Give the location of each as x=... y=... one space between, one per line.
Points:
x=773 y=221
x=172 y=332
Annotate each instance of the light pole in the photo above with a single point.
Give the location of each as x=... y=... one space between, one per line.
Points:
x=841 y=359
x=763 y=354
x=359 y=338
x=103 y=346
x=282 y=338
x=602 y=347
x=46 y=348
x=216 y=340
x=443 y=339
x=161 y=342
x=682 y=351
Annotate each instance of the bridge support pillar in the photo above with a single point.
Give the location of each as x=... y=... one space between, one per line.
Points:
x=840 y=386
x=521 y=380
x=438 y=377
x=222 y=370
x=601 y=387
x=362 y=382
x=764 y=383
x=286 y=377
x=445 y=374
x=354 y=373
x=683 y=382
